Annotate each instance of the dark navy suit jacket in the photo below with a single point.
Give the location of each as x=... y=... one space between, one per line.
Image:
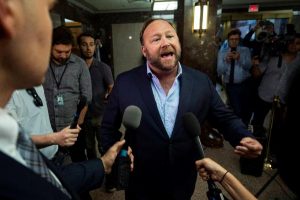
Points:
x=20 y=182
x=164 y=168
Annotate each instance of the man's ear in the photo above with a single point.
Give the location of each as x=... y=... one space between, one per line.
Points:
x=143 y=49
x=7 y=18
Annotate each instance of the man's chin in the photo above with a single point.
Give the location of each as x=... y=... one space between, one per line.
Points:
x=169 y=66
x=88 y=56
x=60 y=61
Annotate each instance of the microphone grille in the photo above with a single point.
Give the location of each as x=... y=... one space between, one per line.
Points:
x=191 y=124
x=132 y=117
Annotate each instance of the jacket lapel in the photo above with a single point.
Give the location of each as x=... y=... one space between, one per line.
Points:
x=144 y=83
x=186 y=90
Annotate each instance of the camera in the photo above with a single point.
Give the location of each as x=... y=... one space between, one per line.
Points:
x=264 y=23
x=277 y=45
x=265 y=33
x=262 y=36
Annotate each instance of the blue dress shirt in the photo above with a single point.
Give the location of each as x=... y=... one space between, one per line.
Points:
x=167 y=104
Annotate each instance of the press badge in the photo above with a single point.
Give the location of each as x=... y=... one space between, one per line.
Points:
x=60 y=100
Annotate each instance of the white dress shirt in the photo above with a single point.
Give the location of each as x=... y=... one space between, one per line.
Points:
x=32 y=119
x=8 y=136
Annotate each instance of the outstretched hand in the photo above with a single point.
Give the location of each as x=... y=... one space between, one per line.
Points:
x=249 y=147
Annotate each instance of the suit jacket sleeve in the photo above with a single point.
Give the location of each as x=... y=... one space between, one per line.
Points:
x=84 y=176
x=225 y=120
x=111 y=119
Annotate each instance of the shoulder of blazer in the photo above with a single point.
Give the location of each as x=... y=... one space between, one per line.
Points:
x=54 y=169
x=19 y=182
x=192 y=73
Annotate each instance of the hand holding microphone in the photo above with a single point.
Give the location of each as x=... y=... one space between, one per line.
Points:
x=131 y=120
x=192 y=126
x=109 y=157
x=208 y=168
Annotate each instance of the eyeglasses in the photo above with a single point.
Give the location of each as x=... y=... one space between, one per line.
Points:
x=36 y=99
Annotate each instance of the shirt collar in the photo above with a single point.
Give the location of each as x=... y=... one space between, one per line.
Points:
x=9 y=131
x=72 y=58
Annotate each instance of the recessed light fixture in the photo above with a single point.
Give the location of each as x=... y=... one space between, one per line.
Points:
x=165 y=5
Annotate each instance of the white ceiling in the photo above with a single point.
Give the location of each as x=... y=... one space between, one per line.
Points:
x=113 y=6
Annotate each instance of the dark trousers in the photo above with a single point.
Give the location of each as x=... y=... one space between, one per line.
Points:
x=239 y=99
x=91 y=129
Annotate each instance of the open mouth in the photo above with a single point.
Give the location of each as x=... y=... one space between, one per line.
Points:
x=167 y=54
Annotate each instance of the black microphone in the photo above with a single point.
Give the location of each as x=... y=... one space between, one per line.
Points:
x=81 y=103
x=192 y=126
x=131 y=120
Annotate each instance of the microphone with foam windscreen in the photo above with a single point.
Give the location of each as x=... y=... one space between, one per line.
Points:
x=81 y=103
x=132 y=117
x=131 y=120
x=192 y=126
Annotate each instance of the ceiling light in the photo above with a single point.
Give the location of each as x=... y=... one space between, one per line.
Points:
x=165 y=5
x=148 y=1
x=296 y=12
x=68 y=20
x=163 y=16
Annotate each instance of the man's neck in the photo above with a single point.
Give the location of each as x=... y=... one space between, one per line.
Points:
x=5 y=92
x=56 y=62
x=89 y=61
x=166 y=79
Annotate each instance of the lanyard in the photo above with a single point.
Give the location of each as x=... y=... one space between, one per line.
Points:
x=58 y=82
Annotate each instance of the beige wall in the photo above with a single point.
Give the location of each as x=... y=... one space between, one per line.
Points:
x=126 y=52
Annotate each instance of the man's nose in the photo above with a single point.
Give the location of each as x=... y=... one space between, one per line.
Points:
x=88 y=47
x=63 y=55
x=165 y=42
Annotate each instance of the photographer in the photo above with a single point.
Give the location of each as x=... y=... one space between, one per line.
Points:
x=234 y=63
x=264 y=34
x=277 y=72
x=260 y=49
